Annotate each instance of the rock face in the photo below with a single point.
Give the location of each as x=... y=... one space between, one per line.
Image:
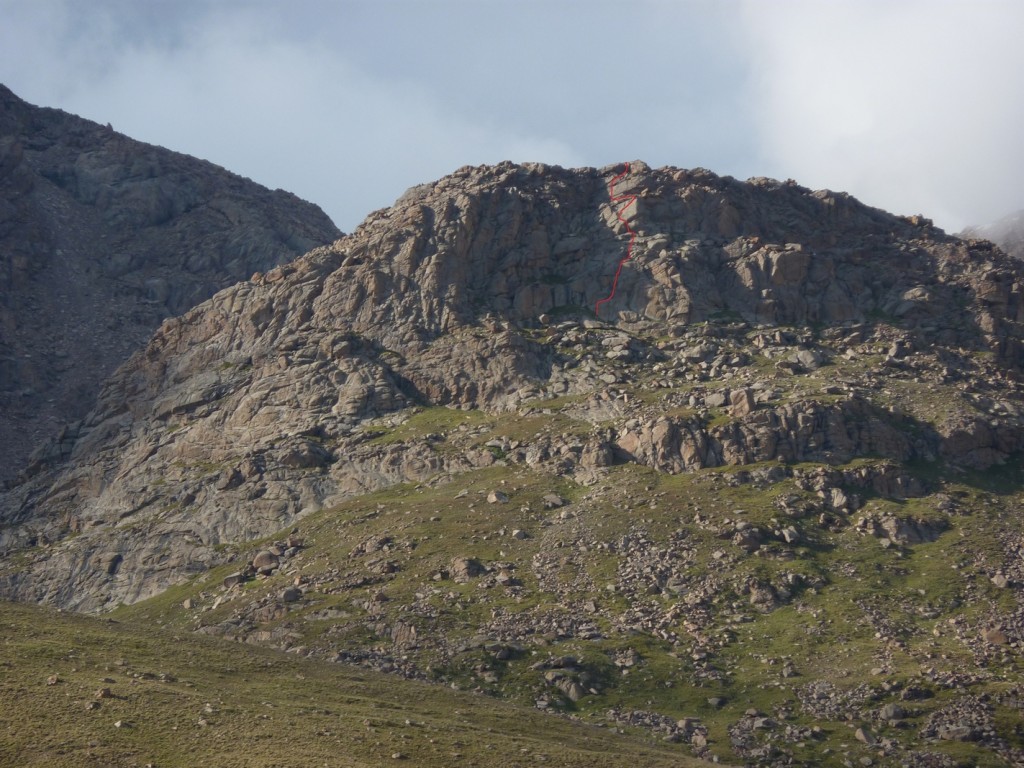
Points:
x=101 y=238
x=260 y=405
x=1007 y=233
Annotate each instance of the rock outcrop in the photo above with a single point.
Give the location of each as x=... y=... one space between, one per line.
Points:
x=1007 y=233
x=267 y=401
x=101 y=238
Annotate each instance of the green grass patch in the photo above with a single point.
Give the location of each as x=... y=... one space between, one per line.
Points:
x=184 y=700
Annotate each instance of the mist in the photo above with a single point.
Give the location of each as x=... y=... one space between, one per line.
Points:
x=912 y=106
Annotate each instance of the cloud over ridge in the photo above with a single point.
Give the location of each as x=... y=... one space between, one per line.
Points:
x=910 y=105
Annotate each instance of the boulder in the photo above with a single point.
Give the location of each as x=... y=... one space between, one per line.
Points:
x=741 y=402
x=291 y=595
x=465 y=568
x=265 y=560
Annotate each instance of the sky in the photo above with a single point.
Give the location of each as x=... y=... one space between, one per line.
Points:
x=911 y=105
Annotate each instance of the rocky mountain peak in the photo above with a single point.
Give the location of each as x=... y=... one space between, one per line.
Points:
x=262 y=404
x=515 y=242
x=101 y=238
x=743 y=451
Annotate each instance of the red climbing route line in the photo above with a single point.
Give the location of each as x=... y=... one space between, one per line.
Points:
x=614 y=200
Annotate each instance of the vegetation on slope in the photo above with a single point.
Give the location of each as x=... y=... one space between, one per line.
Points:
x=82 y=691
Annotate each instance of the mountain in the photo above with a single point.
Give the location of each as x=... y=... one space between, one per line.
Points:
x=736 y=464
x=103 y=237
x=1007 y=233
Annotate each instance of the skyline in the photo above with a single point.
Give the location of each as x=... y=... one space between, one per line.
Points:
x=910 y=106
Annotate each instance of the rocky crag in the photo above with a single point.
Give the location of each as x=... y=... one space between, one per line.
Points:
x=250 y=410
x=1007 y=233
x=770 y=495
x=101 y=238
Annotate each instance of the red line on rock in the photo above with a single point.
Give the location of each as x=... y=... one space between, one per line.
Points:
x=615 y=199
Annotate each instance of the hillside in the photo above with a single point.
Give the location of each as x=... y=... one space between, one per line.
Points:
x=111 y=694
x=101 y=238
x=765 y=504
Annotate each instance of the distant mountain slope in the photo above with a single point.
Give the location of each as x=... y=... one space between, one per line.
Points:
x=101 y=238
x=1007 y=233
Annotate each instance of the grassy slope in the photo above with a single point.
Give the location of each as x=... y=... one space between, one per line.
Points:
x=878 y=608
x=260 y=707
x=868 y=620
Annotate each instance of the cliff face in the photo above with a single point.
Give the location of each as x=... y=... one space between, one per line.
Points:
x=101 y=238
x=476 y=292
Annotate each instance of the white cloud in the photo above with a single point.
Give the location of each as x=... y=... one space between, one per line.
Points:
x=912 y=106
x=295 y=114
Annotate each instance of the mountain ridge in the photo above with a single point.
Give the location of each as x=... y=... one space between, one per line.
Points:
x=439 y=300
x=101 y=237
x=766 y=509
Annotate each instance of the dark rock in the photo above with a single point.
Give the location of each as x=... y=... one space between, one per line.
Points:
x=108 y=562
x=229 y=480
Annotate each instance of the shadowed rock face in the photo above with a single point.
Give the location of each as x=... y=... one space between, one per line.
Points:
x=253 y=408
x=101 y=238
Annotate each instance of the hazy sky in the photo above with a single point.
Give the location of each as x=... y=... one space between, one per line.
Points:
x=911 y=105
